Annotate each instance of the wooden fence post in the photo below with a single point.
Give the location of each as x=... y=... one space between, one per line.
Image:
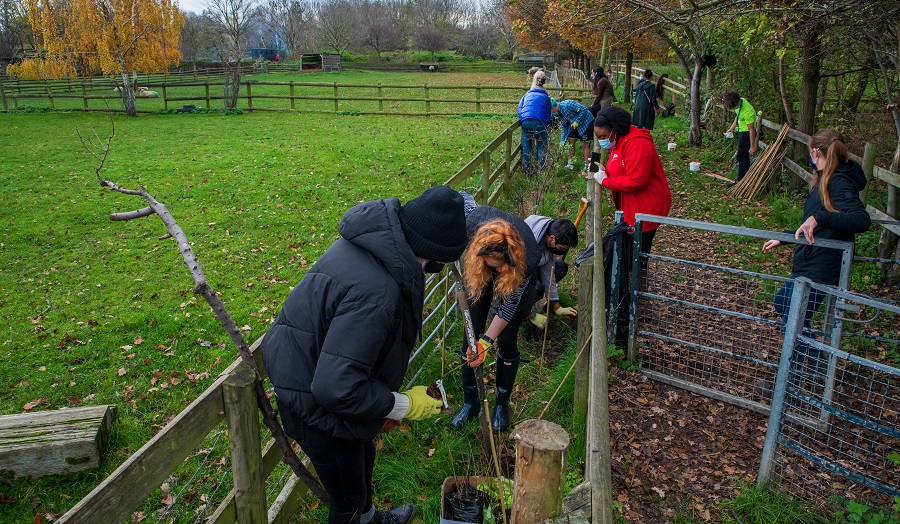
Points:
x=292 y=94
x=380 y=99
x=249 y=97
x=3 y=97
x=50 y=95
x=485 y=176
x=477 y=98
x=599 y=467
x=335 y=97
x=165 y=98
x=84 y=95
x=582 y=366
x=239 y=397
x=540 y=468
x=868 y=165
x=509 y=160
x=206 y=84
x=427 y=100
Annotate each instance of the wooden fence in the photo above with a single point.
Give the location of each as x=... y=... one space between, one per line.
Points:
x=231 y=397
x=423 y=100
x=867 y=161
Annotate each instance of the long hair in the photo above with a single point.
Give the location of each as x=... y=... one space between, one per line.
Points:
x=496 y=239
x=830 y=143
x=661 y=86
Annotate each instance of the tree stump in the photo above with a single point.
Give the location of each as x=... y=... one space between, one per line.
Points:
x=540 y=467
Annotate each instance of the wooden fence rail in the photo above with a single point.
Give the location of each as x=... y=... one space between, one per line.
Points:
x=231 y=398
x=332 y=97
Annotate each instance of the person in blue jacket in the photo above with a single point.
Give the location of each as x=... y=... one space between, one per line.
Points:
x=339 y=349
x=535 y=116
x=833 y=210
x=577 y=123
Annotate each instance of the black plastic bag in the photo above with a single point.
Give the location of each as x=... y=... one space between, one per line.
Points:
x=464 y=505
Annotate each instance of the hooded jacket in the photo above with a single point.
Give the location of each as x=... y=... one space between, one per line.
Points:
x=535 y=104
x=539 y=226
x=822 y=264
x=645 y=104
x=636 y=178
x=342 y=341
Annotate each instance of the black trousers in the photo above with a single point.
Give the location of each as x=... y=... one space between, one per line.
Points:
x=345 y=469
x=743 y=153
x=508 y=341
x=625 y=290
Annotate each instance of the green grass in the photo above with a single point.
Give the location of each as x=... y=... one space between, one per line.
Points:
x=259 y=195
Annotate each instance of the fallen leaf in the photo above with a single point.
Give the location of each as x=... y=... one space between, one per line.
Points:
x=34 y=403
x=139 y=340
x=121 y=371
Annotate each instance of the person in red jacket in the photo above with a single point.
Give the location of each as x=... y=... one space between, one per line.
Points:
x=634 y=176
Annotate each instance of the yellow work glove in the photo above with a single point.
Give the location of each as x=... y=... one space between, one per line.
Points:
x=567 y=311
x=539 y=321
x=482 y=346
x=574 y=125
x=421 y=405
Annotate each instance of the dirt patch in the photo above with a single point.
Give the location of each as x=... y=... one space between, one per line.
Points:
x=673 y=450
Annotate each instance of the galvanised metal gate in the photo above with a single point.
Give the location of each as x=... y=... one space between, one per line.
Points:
x=834 y=425
x=706 y=327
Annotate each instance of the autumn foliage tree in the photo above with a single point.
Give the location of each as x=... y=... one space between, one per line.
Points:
x=109 y=37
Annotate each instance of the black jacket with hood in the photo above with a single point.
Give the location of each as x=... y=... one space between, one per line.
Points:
x=822 y=264
x=342 y=341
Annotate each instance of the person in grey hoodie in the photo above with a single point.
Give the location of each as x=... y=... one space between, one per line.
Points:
x=340 y=346
x=554 y=238
x=834 y=211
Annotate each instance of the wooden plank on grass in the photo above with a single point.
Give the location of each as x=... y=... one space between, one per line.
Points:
x=54 y=442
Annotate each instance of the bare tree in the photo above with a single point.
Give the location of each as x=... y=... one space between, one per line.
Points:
x=431 y=39
x=293 y=23
x=234 y=19
x=377 y=25
x=198 y=36
x=338 y=28
x=14 y=30
x=499 y=18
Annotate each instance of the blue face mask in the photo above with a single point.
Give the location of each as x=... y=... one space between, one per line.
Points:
x=605 y=143
x=812 y=163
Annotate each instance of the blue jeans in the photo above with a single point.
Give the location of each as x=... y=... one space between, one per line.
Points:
x=534 y=145
x=783 y=308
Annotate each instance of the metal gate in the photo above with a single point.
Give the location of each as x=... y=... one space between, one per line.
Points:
x=706 y=327
x=834 y=425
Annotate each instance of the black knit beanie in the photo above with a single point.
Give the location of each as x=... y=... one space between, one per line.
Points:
x=434 y=224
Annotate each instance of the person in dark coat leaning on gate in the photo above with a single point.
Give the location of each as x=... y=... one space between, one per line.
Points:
x=339 y=349
x=645 y=105
x=833 y=211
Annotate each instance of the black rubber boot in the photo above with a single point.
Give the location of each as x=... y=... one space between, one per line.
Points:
x=471 y=406
x=400 y=515
x=506 y=377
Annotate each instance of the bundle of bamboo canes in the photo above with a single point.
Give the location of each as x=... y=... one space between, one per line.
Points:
x=762 y=171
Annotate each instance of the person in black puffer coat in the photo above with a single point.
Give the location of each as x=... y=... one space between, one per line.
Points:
x=501 y=262
x=645 y=105
x=339 y=348
x=834 y=211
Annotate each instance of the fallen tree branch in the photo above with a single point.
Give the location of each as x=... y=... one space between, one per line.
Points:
x=202 y=288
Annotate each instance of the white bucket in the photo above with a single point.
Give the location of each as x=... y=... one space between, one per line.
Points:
x=671 y=146
x=695 y=166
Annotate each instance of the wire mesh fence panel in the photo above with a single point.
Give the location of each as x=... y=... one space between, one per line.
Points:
x=705 y=327
x=835 y=422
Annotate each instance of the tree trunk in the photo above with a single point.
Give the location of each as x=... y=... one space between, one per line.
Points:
x=629 y=61
x=128 y=94
x=782 y=88
x=232 y=85
x=810 y=74
x=696 y=136
x=604 y=52
x=820 y=103
x=861 y=84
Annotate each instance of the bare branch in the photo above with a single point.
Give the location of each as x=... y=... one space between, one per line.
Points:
x=131 y=215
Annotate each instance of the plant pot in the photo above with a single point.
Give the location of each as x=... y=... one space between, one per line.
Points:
x=450 y=485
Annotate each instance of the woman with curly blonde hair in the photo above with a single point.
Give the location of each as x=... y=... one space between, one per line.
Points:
x=500 y=263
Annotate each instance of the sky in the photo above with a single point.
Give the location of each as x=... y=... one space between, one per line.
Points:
x=191 y=5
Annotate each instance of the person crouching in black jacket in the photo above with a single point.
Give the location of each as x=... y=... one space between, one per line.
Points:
x=339 y=349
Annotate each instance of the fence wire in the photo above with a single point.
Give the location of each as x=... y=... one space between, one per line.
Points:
x=835 y=422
